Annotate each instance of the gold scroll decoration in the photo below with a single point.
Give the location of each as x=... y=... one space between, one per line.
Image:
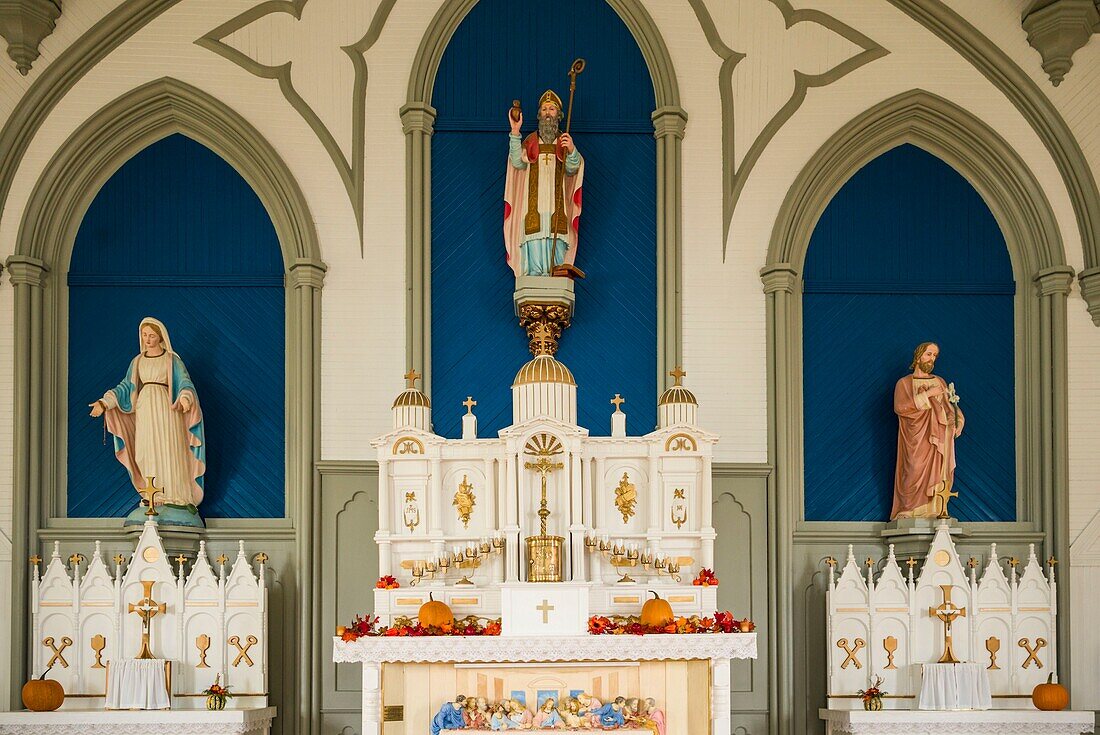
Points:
x=890 y=643
x=851 y=652
x=411 y=512
x=464 y=501
x=626 y=495
x=992 y=644
x=242 y=651
x=1032 y=651
x=408 y=445
x=98 y=643
x=203 y=644
x=681 y=443
x=679 y=508
x=57 y=656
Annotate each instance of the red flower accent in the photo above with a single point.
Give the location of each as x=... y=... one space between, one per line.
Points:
x=387 y=582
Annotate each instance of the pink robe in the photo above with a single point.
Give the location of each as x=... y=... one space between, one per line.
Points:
x=926 y=443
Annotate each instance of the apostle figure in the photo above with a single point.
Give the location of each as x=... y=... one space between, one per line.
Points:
x=156 y=421
x=542 y=193
x=449 y=716
x=929 y=421
x=548 y=717
x=612 y=714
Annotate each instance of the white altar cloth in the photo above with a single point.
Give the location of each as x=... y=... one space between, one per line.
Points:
x=954 y=687
x=987 y=722
x=137 y=684
x=175 y=722
x=718 y=648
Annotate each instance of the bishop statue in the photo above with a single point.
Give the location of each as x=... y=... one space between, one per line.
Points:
x=542 y=193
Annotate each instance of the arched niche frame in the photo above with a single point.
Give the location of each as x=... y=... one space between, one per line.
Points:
x=37 y=270
x=418 y=119
x=1043 y=279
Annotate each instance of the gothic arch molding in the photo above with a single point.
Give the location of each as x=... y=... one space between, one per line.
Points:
x=47 y=233
x=418 y=118
x=1043 y=279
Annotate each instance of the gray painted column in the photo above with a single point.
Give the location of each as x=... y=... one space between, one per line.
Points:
x=1054 y=285
x=417 y=120
x=782 y=287
x=304 y=282
x=669 y=124
x=27 y=276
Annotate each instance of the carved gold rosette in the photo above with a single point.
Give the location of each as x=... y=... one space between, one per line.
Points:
x=544 y=324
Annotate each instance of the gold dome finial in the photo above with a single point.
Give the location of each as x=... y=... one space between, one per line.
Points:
x=411 y=377
x=678 y=375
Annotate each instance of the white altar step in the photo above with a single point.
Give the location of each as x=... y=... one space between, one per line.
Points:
x=162 y=722
x=972 y=722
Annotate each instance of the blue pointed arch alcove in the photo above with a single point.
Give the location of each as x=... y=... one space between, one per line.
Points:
x=176 y=233
x=907 y=251
x=503 y=51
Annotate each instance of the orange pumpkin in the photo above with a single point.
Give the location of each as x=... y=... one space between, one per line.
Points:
x=43 y=695
x=1050 y=696
x=657 y=612
x=435 y=614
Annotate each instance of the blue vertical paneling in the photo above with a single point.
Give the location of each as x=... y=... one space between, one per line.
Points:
x=906 y=252
x=497 y=54
x=177 y=234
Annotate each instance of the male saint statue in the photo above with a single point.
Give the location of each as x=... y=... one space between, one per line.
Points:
x=929 y=421
x=542 y=193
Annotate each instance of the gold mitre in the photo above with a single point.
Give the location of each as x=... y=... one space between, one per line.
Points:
x=549 y=96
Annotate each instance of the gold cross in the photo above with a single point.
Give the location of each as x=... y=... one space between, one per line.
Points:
x=147 y=608
x=618 y=401
x=222 y=559
x=678 y=374
x=911 y=563
x=545 y=609
x=870 y=562
x=76 y=559
x=36 y=560
x=1013 y=562
x=181 y=559
x=261 y=557
x=469 y=403
x=119 y=558
x=1051 y=561
x=947 y=612
x=149 y=494
x=411 y=377
x=973 y=563
x=830 y=561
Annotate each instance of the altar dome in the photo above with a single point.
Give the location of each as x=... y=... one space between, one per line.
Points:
x=544 y=387
x=677 y=404
x=411 y=408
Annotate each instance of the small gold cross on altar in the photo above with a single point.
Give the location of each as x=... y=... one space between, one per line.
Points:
x=411 y=377
x=1051 y=561
x=545 y=609
x=678 y=375
x=618 y=401
x=119 y=558
x=947 y=612
x=469 y=403
x=222 y=559
x=76 y=559
x=911 y=563
x=147 y=608
x=36 y=560
x=261 y=558
x=148 y=495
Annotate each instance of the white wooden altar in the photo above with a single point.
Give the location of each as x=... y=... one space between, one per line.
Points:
x=256 y=721
x=687 y=669
x=991 y=722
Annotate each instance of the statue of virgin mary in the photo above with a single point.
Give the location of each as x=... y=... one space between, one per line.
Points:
x=156 y=421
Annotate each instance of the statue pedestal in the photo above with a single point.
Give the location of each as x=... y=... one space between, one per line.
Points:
x=544 y=305
x=911 y=537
